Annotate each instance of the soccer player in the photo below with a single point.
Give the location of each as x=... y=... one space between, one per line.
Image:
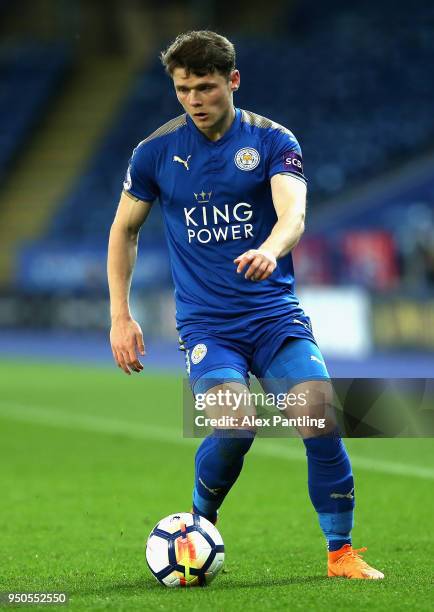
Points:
x=232 y=193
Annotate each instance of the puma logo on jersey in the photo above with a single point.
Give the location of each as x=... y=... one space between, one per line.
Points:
x=345 y=495
x=301 y=323
x=182 y=161
x=315 y=358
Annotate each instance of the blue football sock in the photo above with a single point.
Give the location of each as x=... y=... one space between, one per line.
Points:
x=331 y=488
x=218 y=464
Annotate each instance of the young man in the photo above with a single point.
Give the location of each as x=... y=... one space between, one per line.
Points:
x=232 y=192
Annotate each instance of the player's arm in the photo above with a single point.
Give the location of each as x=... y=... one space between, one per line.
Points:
x=289 y=199
x=126 y=337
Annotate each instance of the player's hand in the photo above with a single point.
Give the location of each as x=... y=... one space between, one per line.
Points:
x=261 y=264
x=126 y=339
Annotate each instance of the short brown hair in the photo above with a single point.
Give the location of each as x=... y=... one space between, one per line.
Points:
x=200 y=52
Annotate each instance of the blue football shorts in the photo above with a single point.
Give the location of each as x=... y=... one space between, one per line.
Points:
x=277 y=357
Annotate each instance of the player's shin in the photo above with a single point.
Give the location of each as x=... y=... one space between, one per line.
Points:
x=219 y=460
x=331 y=487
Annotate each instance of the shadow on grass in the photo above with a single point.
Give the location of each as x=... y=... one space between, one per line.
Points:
x=145 y=584
x=268 y=581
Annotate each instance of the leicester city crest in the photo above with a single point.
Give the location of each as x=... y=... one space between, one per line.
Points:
x=247 y=158
x=198 y=353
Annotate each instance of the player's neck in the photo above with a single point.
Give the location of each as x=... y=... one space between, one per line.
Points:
x=219 y=129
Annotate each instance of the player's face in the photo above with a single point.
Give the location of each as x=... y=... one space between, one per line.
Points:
x=207 y=99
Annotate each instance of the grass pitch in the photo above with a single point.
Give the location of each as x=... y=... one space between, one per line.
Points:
x=91 y=460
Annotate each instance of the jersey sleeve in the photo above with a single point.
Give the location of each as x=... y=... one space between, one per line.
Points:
x=285 y=156
x=139 y=179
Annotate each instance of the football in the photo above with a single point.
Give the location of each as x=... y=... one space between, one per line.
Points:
x=184 y=550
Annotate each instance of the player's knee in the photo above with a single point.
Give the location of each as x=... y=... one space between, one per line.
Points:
x=234 y=443
x=229 y=406
x=315 y=407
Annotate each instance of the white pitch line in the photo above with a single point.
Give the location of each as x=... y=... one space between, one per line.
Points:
x=137 y=431
x=95 y=424
x=361 y=463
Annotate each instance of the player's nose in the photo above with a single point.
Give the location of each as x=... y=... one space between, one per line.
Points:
x=194 y=98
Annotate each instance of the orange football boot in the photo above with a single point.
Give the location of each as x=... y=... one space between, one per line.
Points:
x=347 y=563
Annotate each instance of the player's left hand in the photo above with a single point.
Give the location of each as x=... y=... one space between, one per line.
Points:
x=262 y=264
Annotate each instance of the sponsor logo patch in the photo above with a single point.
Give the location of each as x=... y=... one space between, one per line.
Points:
x=292 y=162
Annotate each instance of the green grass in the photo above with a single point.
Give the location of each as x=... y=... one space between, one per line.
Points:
x=85 y=474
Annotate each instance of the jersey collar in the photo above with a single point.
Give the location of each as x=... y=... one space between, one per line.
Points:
x=226 y=136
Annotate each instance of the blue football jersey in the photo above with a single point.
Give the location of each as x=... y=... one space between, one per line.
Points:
x=216 y=203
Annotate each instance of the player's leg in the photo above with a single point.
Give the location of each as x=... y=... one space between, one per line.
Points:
x=221 y=374
x=330 y=478
x=220 y=457
x=299 y=368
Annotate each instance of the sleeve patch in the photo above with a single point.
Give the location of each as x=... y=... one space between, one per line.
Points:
x=292 y=162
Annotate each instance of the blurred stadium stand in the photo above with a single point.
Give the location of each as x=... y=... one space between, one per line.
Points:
x=57 y=152
x=354 y=85
x=30 y=76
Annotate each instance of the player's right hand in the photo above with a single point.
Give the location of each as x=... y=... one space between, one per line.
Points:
x=126 y=339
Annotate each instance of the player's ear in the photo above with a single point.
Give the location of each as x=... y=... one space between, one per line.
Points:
x=234 y=79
